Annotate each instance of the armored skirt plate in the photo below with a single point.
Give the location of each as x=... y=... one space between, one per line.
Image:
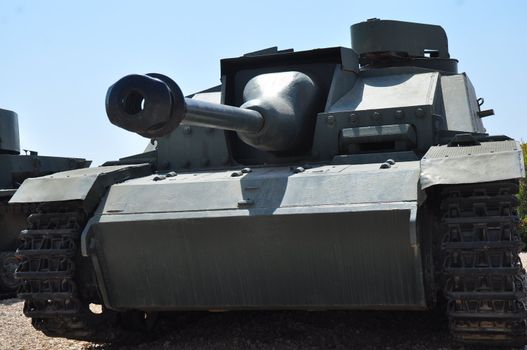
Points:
x=300 y=243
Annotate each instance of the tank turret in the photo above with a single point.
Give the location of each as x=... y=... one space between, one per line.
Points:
x=9 y=140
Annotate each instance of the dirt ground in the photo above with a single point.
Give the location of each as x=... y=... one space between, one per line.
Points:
x=257 y=330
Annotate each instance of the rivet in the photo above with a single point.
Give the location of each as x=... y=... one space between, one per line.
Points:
x=187 y=130
x=246 y=170
x=399 y=114
x=419 y=113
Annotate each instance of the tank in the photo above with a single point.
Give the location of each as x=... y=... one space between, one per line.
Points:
x=14 y=169
x=328 y=179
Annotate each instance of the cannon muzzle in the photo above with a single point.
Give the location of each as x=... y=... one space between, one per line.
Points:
x=276 y=115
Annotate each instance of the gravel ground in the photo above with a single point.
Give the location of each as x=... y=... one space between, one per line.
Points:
x=257 y=330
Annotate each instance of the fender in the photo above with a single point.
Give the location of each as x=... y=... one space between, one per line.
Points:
x=488 y=161
x=87 y=185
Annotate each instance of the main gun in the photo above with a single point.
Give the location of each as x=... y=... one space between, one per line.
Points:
x=278 y=112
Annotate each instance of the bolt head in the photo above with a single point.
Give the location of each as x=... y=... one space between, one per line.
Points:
x=299 y=169
x=376 y=116
x=331 y=120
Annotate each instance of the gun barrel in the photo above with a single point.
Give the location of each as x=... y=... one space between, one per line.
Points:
x=153 y=105
x=214 y=115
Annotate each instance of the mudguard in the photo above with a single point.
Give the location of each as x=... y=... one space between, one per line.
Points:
x=489 y=161
x=87 y=185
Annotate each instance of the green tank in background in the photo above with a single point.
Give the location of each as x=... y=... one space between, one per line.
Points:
x=326 y=179
x=14 y=169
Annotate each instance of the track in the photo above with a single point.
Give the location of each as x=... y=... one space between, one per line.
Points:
x=9 y=216
x=50 y=258
x=483 y=278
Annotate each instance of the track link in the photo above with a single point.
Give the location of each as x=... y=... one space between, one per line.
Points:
x=8 y=262
x=49 y=258
x=482 y=275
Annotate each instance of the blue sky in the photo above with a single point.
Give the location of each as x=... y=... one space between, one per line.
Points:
x=58 y=57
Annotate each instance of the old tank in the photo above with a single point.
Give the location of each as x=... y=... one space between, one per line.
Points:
x=328 y=179
x=14 y=169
